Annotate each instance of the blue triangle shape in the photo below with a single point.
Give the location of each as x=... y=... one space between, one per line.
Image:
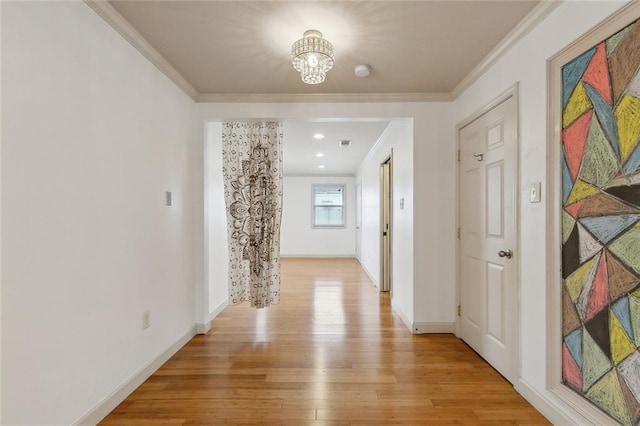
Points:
x=574 y=343
x=605 y=117
x=621 y=309
x=567 y=183
x=572 y=73
x=633 y=162
x=606 y=228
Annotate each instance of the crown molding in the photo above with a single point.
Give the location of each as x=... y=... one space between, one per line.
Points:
x=118 y=23
x=531 y=21
x=323 y=97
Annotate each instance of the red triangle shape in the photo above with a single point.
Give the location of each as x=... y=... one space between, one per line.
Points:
x=574 y=209
x=597 y=74
x=599 y=295
x=574 y=138
x=571 y=374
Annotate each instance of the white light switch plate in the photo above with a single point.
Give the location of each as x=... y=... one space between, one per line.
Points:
x=534 y=192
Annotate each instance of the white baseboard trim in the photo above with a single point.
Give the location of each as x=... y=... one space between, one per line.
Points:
x=203 y=328
x=366 y=271
x=216 y=311
x=319 y=256
x=111 y=401
x=547 y=408
x=405 y=319
x=434 y=327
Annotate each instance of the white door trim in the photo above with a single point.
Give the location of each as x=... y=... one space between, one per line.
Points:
x=511 y=92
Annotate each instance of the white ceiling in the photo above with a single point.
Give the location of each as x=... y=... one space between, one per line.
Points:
x=240 y=51
x=243 y=47
x=300 y=147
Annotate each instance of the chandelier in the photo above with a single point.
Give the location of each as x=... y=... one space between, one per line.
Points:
x=312 y=57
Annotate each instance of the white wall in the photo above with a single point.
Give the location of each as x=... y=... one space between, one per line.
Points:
x=526 y=64
x=216 y=224
x=297 y=237
x=429 y=280
x=92 y=137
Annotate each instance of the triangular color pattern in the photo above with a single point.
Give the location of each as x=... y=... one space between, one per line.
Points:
x=604 y=112
x=597 y=74
x=594 y=362
x=628 y=121
x=626 y=249
x=580 y=191
x=571 y=373
x=621 y=344
x=588 y=245
x=606 y=228
x=599 y=293
x=578 y=104
x=574 y=138
x=621 y=309
x=572 y=73
x=576 y=281
x=606 y=393
x=604 y=204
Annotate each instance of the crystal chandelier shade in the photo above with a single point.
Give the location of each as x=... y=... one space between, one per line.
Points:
x=312 y=56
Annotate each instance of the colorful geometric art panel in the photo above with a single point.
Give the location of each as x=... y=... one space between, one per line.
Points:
x=601 y=225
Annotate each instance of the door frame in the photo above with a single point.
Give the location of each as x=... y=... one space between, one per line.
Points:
x=388 y=159
x=511 y=92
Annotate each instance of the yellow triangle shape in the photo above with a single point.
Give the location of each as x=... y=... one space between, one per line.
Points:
x=578 y=103
x=580 y=191
x=578 y=278
x=607 y=394
x=628 y=120
x=621 y=345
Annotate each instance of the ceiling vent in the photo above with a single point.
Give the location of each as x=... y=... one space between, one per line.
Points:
x=344 y=143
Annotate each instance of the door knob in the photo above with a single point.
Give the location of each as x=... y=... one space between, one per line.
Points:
x=506 y=253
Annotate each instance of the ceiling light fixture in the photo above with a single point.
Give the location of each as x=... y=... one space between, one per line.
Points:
x=318 y=136
x=321 y=166
x=312 y=56
x=319 y=155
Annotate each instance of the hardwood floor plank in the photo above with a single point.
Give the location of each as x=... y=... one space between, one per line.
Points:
x=331 y=353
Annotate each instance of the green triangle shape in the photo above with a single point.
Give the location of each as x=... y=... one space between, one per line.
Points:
x=607 y=394
x=634 y=311
x=625 y=248
x=594 y=362
x=579 y=277
x=614 y=40
x=567 y=226
x=599 y=163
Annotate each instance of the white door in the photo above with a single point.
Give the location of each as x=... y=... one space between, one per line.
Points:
x=487 y=264
x=358 y=221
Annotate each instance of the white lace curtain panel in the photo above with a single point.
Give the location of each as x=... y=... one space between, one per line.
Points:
x=252 y=169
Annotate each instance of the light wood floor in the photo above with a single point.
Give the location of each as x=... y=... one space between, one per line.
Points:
x=331 y=353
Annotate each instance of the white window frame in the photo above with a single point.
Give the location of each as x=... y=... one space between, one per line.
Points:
x=343 y=187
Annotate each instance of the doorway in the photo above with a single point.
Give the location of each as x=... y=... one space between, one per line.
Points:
x=386 y=225
x=488 y=310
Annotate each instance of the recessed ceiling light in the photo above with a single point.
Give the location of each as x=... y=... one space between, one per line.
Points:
x=318 y=136
x=321 y=166
x=319 y=155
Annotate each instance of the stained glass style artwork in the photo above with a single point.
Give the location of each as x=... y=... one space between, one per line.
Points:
x=601 y=225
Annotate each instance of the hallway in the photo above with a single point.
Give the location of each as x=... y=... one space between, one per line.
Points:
x=330 y=353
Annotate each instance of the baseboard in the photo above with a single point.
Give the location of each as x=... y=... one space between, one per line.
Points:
x=434 y=327
x=319 y=256
x=104 y=407
x=547 y=408
x=366 y=271
x=218 y=309
x=405 y=319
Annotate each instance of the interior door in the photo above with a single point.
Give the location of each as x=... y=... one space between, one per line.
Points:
x=385 y=276
x=359 y=221
x=487 y=266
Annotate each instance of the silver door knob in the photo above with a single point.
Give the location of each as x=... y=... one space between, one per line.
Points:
x=506 y=253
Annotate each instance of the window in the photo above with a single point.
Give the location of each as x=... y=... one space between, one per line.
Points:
x=328 y=206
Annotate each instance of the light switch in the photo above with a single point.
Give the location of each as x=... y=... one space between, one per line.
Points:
x=534 y=191
x=401 y=203
x=167 y=197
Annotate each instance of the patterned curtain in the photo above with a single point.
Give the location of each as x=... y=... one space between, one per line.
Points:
x=252 y=169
